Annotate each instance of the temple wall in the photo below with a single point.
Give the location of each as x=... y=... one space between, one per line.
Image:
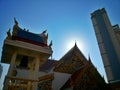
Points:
x=59 y=80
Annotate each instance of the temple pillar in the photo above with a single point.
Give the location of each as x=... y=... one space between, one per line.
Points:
x=37 y=60
x=12 y=65
x=29 y=86
x=32 y=70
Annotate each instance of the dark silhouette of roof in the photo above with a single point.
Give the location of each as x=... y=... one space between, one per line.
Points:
x=26 y=36
x=48 y=65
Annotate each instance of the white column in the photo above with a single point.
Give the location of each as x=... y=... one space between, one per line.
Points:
x=37 y=60
x=12 y=64
x=31 y=71
x=29 y=86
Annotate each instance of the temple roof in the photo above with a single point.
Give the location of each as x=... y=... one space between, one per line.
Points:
x=29 y=37
x=48 y=65
x=73 y=50
x=71 y=61
x=23 y=41
x=85 y=78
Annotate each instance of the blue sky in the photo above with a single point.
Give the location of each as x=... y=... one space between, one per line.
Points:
x=66 y=21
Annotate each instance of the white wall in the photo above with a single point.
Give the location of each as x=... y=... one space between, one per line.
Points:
x=22 y=73
x=59 y=80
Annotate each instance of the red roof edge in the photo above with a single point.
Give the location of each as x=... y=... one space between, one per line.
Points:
x=28 y=41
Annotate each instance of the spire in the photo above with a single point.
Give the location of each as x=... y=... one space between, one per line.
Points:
x=75 y=44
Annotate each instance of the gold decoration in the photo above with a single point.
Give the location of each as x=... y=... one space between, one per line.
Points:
x=15 y=27
x=50 y=44
x=8 y=34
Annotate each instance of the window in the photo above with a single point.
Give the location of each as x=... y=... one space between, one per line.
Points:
x=24 y=62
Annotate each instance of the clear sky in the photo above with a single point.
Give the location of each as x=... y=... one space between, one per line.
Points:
x=67 y=21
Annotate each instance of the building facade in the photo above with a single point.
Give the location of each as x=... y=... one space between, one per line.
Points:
x=108 y=38
x=1 y=70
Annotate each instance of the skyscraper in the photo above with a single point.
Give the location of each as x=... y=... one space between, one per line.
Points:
x=108 y=38
x=1 y=70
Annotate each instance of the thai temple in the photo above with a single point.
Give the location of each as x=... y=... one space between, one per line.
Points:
x=31 y=68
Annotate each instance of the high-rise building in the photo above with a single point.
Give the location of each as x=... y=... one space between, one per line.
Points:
x=108 y=38
x=1 y=70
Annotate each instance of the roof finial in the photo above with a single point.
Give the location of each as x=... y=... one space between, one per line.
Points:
x=8 y=34
x=16 y=23
x=89 y=58
x=15 y=27
x=50 y=44
x=75 y=43
x=44 y=31
x=47 y=36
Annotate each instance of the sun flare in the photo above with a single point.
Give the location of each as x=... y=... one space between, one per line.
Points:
x=72 y=43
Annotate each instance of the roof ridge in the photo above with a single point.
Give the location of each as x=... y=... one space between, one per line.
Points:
x=72 y=49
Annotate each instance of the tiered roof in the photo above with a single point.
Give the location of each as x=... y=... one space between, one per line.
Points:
x=29 y=37
x=23 y=41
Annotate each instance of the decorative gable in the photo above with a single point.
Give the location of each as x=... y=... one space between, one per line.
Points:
x=71 y=62
x=86 y=78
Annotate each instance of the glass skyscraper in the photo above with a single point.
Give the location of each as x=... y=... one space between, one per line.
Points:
x=108 y=38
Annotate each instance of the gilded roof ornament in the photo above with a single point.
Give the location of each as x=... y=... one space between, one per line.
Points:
x=89 y=59
x=44 y=31
x=50 y=44
x=16 y=23
x=15 y=27
x=47 y=36
x=8 y=34
x=75 y=43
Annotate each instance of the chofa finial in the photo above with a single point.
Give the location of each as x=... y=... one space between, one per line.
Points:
x=44 y=31
x=16 y=23
x=15 y=27
x=89 y=58
x=50 y=44
x=75 y=43
x=8 y=34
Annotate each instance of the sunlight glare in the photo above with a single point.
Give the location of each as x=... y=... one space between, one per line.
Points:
x=72 y=43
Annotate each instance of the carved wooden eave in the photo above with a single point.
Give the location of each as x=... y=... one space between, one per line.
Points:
x=10 y=46
x=21 y=79
x=40 y=79
x=28 y=46
x=46 y=77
